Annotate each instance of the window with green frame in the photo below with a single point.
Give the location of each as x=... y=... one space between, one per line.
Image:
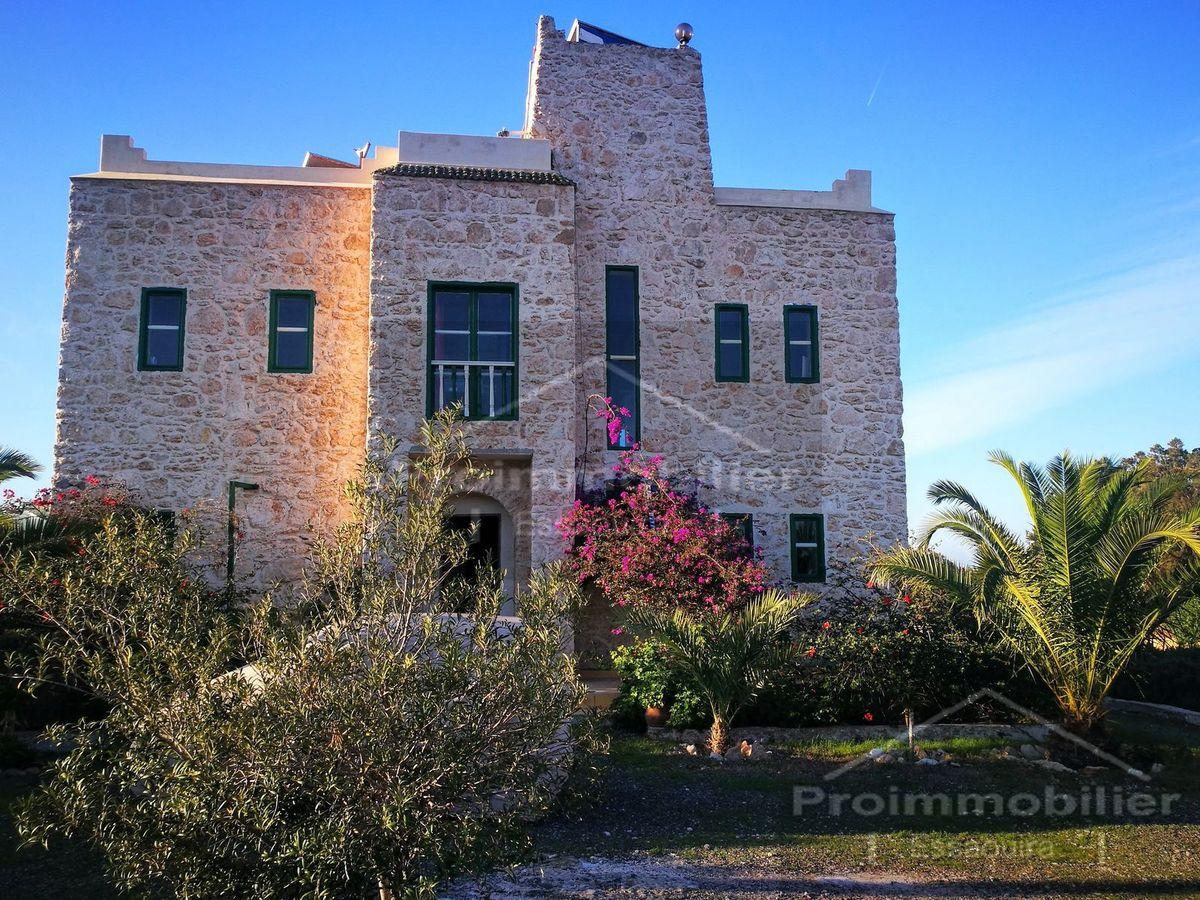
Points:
x=622 y=351
x=472 y=350
x=801 y=347
x=160 y=334
x=807 y=533
x=744 y=523
x=731 y=322
x=290 y=334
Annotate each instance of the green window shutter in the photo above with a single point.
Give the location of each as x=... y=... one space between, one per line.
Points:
x=807 y=544
x=801 y=345
x=290 y=332
x=161 y=330
x=744 y=523
x=731 y=324
x=622 y=351
x=473 y=347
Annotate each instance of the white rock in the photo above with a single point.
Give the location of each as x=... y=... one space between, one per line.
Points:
x=927 y=761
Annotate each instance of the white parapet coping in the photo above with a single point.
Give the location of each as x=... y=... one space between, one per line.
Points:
x=523 y=154
x=850 y=194
x=119 y=158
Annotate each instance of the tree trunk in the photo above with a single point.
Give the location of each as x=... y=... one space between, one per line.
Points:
x=718 y=735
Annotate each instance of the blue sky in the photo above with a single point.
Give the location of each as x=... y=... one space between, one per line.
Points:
x=1043 y=161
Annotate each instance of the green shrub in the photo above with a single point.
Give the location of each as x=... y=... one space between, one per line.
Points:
x=1171 y=677
x=647 y=679
x=378 y=742
x=870 y=656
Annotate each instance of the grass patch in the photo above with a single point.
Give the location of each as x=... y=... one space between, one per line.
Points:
x=966 y=747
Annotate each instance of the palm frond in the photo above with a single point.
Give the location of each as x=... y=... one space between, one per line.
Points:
x=15 y=464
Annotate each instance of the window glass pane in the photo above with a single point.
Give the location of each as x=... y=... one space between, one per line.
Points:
x=622 y=387
x=449 y=385
x=744 y=523
x=292 y=312
x=450 y=346
x=799 y=361
x=451 y=311
x=621 y=312
x=729 y=324
x=492 y=347
x=163 y=309
x=808 y=561
x=162 y=346
x=729 y=360
x=806 y=530
x=495 y=392
x=493 y=311
x=800 y=325
x=291 y=349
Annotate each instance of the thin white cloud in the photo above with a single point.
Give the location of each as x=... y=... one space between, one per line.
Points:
x=1125 y=325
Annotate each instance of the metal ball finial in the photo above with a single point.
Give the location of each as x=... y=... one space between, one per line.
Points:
x=683 y=34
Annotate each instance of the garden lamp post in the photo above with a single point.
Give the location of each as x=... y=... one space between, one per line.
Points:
x=231 y=529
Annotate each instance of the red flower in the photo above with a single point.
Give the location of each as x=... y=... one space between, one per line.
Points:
x=868 y=717
x=871 y=585
x=811 y=652
x=92 y=480
x=82 y=551
x=826 y=624
x=906 y=598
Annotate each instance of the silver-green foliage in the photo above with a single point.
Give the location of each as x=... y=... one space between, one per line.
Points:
x=370 y=744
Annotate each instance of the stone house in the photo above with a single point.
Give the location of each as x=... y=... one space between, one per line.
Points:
x=257 y=324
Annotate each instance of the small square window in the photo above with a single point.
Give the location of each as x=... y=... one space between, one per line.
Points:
x=731 y=322
x=801 y=347
x=160 y=337
x=807 y=532
x=290 y=343
x=744 y=523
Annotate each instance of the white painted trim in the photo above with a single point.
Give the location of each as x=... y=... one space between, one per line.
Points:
x=850 y=194
x=119 y=158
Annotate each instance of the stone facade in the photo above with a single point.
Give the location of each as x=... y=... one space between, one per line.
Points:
x=629 y=126
x=614 y=168
x=178 y=438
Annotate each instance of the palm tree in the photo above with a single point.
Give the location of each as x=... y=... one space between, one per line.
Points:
x=727 y=655
x=1104 y=563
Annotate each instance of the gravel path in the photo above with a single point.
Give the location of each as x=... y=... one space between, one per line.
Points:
x=597 y=878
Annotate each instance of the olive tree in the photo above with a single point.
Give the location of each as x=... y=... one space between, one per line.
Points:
x=360 y=739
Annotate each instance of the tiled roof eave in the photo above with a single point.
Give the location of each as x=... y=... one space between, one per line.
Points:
x=473 y=173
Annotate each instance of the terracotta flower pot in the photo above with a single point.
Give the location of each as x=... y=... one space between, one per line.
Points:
x=656 y=717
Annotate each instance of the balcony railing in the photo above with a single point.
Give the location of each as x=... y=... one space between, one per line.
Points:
x=486 y=403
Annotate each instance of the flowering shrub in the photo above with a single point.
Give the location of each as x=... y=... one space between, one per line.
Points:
x=645 y=539
x=55 y=517
x=873 y=654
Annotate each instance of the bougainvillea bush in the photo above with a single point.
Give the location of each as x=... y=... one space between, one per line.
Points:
x=644 y=538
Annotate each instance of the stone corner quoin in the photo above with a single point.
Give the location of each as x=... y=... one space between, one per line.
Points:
x=611 y=169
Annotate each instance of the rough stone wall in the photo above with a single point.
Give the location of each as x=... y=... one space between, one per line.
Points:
x=177 y=438
x=440 y=229
x=629 y=126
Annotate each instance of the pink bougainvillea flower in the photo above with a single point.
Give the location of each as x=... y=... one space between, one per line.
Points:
x=91 y=480
x=871 y=585
x=618 y=631
x=869 y=717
